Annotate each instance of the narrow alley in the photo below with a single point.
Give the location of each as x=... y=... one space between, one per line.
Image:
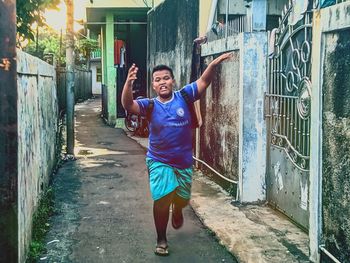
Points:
x=103 y=205
x=271 y=180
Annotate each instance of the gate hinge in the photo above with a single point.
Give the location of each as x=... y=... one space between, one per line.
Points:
x=266 y=106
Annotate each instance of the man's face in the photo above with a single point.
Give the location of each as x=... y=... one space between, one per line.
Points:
x=163 y=83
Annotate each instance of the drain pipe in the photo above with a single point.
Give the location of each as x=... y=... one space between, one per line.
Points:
x=324 y=250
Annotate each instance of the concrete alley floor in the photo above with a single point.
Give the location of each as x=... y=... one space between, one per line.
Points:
x=104 y=208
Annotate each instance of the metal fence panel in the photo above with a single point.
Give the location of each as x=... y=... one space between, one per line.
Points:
x=82 y=86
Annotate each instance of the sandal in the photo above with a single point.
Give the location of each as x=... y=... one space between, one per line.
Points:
x=161 y=251
x=178 y=220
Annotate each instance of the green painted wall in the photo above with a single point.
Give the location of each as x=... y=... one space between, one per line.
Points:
x=103 y=58
x=111 y=72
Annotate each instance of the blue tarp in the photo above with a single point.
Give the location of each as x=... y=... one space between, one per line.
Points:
x=325 y=3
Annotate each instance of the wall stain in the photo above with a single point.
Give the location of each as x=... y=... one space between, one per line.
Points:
x=336 y=145
x=219 y=135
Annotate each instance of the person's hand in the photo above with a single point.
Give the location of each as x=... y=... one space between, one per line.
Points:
x=132 y=73
x=222 y=58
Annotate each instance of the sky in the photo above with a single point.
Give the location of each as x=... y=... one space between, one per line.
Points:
x=57 y=18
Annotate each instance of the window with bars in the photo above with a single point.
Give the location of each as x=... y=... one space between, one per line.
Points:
x=98 y=74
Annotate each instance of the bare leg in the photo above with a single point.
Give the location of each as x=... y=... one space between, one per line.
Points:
x=161 y=217
x=178 y=204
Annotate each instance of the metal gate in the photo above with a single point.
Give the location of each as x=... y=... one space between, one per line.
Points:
x=288 y=105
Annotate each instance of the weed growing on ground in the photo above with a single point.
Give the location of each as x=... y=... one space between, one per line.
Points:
x=232 y=190
x=41 y=225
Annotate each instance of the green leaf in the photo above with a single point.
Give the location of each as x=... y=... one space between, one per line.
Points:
x=29 y=12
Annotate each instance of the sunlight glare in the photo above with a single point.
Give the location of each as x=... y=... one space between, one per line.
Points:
x=57 y=18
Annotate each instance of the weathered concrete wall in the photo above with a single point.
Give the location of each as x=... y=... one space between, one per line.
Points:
x=235 y=7
x=37 y=134
x=336 y=145
x=219 y=134
x=172 y=27
x=239 y=7
x=233 y=136
x=253 y=144
x=275 y=7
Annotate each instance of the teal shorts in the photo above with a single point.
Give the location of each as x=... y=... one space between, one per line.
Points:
x=164 y=179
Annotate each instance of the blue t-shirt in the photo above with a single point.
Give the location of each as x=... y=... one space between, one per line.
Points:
x=170 y=133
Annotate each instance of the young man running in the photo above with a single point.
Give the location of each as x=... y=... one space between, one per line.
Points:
x=169 y=155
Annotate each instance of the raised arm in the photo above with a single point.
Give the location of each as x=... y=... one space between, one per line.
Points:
x=204 y=81
x=128 y=102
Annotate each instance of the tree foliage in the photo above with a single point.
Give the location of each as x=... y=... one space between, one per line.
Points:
x=48 y=42
x=86 y=46
x=83 y=49
x=29 y=12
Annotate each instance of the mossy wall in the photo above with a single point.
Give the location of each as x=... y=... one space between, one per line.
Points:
x=336 y=145
x=37 y=113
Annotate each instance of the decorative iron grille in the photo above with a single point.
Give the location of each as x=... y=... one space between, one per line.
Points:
x=289 y=97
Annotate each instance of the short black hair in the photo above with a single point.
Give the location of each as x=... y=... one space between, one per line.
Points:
x=163 y=67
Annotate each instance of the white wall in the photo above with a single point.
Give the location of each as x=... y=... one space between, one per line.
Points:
x=96 y=86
